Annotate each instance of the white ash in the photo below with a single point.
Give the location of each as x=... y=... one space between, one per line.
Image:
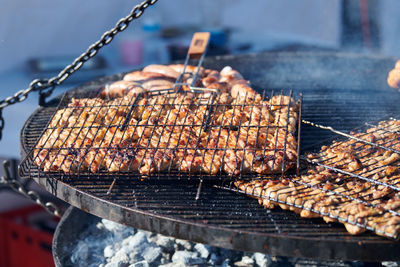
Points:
x=246 y=261
x=108 y=251
x=262 y=259
x=109 y=244
x=390 y=264
x=203 y=250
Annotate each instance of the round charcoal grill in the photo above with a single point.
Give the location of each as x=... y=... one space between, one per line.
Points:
x=340 y=90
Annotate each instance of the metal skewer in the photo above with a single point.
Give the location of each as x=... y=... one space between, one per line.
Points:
x=349 y=136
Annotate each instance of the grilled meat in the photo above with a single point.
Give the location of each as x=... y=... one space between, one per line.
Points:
x=124 y=131
x=393 y=78
x=359 y=204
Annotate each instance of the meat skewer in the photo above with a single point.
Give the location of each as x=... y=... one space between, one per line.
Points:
x=372 y=203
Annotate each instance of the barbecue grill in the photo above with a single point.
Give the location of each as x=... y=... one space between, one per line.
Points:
x=340 y=90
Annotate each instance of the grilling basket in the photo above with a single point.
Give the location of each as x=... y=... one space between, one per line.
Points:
x=275 y=194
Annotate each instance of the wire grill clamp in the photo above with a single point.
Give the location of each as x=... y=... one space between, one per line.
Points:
x=208 y=157
x=354 y=181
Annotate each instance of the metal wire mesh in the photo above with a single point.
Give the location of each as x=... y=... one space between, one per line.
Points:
x=170 y=136
x=354 y=181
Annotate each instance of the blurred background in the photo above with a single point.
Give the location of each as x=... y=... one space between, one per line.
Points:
x=39 y=38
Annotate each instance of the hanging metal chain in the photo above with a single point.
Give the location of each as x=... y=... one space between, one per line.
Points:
x=46 y=86
x=32 y=195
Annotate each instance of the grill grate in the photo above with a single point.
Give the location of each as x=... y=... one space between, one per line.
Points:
x=179 y=135
x=233 y=220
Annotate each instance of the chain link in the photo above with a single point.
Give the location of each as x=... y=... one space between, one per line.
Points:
x=47 y=86
x=1 y=123
x=32 y=195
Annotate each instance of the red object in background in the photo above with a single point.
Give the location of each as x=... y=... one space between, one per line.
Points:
x=366 y=31
x=20 y=243
x=132 y=52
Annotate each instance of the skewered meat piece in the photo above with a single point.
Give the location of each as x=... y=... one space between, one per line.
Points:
x=142 y=76
x=191 y=70
x=240 y=90
x=161 y=77
x=393 y=78
x=167 y=71
x=122 y=88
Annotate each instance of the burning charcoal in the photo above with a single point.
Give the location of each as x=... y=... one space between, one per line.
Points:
x=135 y=256
x=100 y=226
x=116 y=264
x=152 y=254
x=149 y=235
x=112 y=226
x=120 y=258
x=262 y=260
x=166 y=243
x=390 y=263
x=108 y=251
x=139 y=241
x=124 y=233
x=173 y=264
x=126 y=241
x=203 y=250
x=140 y=264
x=246 y=261
x=183 y=244
x=186 y=257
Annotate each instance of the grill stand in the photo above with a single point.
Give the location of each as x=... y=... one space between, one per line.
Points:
x=237 y=231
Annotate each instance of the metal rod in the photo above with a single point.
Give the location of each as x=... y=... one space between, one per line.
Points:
x=299 y=135
x=349 y=136
x=383 y=129
x=199 y=190
x=286 y=132
x=128 y=115
x=351 y=174
x=210 y=109
x=111 y=187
